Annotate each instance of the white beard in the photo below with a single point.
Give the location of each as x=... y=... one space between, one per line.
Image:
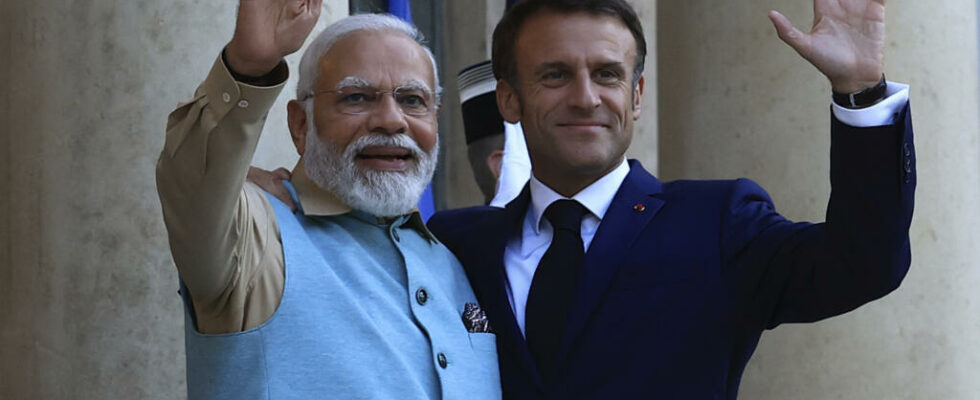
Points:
x=381 y=193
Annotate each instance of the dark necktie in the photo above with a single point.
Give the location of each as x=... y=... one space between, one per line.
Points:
x=554 y=283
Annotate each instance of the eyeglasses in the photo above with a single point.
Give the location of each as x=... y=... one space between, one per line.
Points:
x=414 y=101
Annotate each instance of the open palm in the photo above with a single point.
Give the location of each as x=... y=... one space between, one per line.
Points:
x=845 y=43
x=268 y=30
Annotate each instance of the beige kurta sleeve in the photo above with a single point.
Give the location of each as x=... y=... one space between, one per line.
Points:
x=223 y=234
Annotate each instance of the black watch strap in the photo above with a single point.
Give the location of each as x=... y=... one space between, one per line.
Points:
x=278 y=75
x=862 y=98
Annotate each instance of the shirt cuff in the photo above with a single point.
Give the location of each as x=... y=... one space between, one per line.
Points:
x=224 y=93
x=879 y=114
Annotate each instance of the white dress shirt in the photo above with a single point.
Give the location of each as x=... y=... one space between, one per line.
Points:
x=523 y=253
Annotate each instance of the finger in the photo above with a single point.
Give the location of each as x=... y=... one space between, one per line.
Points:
x=288 y=201
x=282 y=174
x=278 y=189
x=254 y=174
x=788 y=33
x=284 y=197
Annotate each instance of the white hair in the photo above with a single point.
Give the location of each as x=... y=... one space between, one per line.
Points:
x=309 y=66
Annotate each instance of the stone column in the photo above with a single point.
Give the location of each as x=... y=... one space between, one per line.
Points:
x=88 y=302
x=467 y=31
x=735 y=101
x=645 y=147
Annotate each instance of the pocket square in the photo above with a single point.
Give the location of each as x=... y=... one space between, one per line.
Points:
x=475 y=319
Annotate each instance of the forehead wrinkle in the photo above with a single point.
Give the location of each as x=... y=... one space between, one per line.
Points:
x=615 y=37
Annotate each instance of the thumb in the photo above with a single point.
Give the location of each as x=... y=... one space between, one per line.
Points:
x=789 y=34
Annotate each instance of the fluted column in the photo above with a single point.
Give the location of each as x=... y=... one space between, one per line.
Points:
x=88 y=301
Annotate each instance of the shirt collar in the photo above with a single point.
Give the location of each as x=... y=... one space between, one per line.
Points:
x=316 y=201
x=596 y=197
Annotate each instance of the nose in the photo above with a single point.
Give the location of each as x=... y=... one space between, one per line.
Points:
x=387 y=117
x=584 y=95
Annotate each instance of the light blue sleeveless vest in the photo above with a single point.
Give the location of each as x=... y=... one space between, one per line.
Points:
x=353 y=322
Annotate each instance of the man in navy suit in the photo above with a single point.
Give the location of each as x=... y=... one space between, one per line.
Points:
x=603 y=282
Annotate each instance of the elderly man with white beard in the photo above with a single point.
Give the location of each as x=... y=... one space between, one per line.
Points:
x=349 y=296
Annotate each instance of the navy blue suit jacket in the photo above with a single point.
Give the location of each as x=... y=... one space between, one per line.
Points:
x=673 y=298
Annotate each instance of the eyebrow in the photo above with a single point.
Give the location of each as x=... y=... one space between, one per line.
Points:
x=611 y=65
x=361 y=83
x=551 y=65
x=559 y=65
x=415 y=84
x=352 y=82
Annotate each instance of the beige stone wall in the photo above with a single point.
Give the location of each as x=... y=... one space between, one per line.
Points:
x=645 y=146
x=735 y=101
x=467 y=28
x=88 y=302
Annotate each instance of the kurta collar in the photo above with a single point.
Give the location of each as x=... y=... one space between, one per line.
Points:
x=316 y=201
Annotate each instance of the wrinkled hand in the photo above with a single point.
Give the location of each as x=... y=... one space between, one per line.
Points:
x=267 y=31
x=846 y=41
x=271 y=181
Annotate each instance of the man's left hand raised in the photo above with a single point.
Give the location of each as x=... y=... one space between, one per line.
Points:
x=267 y=31
x=845 y=43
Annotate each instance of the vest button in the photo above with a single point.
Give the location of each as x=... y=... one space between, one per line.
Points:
x=394 y=233
x=421 y=296
x=442 y=360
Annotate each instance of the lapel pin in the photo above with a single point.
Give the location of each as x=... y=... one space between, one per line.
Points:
x=639 y=207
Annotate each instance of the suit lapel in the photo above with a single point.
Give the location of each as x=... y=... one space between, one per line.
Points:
x=490 y=279
x=632 y=208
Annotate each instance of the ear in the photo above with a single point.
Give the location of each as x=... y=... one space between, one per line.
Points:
x=637 y=99
x=298 y=124
x=494 y=160
x=508 y=102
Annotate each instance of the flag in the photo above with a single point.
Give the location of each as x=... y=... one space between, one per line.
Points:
x=427 y=206
x=400 y=9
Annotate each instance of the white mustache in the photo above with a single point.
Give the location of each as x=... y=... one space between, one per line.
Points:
x=376 y=139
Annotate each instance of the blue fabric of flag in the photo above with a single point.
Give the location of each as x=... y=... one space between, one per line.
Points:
x=427 y=205
x=400 y=9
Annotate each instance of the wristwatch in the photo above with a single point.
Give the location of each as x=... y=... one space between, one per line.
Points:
x=862 y=98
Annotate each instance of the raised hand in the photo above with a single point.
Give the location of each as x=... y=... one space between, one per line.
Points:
x=846 y=41
x=267 y=31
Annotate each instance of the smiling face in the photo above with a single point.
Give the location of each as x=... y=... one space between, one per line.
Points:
x=376 y=151
x=574 y=97
x=382 y=60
